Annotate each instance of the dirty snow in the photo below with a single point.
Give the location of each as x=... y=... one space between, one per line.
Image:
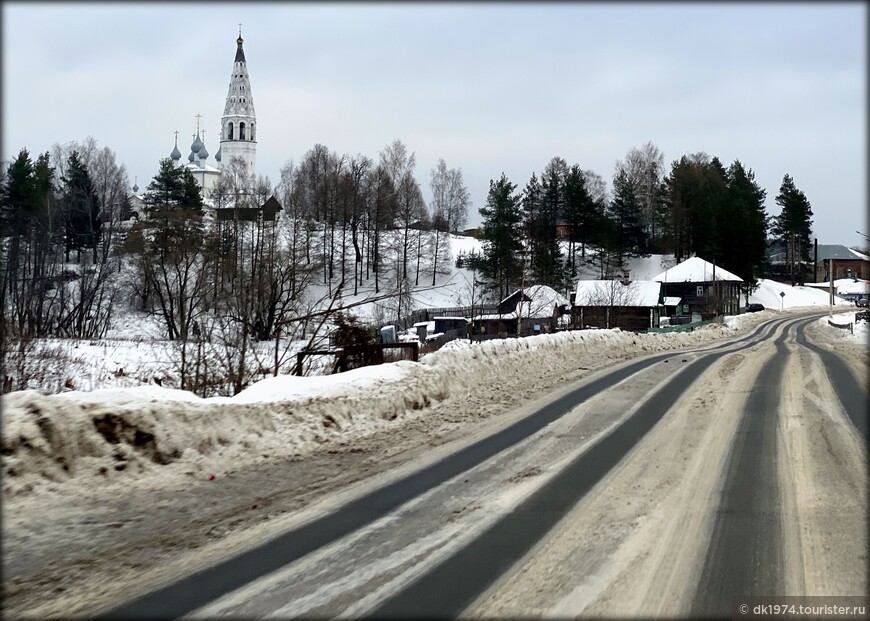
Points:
x=104 y=437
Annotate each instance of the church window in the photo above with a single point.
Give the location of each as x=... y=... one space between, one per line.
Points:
x=241 y=131
x=230 y=136
x=252 y=131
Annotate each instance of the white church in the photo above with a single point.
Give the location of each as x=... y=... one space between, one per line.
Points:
x=238 y=137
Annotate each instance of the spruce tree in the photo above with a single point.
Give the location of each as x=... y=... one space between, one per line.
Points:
x=581 y=213
x=17 y=195
x=167 y=188
x=81 y=208
x=744 y=225
x=546 y=253
x=627 y=237
x=501 y=234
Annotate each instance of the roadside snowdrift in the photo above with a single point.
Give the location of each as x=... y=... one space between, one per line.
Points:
x=118 y=436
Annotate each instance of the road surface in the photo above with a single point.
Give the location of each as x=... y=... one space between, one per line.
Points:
x=660 y=486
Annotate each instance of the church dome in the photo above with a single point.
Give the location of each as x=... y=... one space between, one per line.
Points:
x=191 y=157
x=136 y=188
x=176 y=154
x=217 y=156
x=202 y=152
x=197 y=145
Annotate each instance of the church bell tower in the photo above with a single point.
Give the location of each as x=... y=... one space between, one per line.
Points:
x=239 y=122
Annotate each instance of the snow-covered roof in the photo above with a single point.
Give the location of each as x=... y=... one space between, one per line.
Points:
x=696 y=269
x=639 y=293
x=671 y=300
x=543 y=300
x=196 y=168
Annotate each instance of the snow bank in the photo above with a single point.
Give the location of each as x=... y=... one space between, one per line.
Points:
x=92 y=438
x=860 y=330
x=768 y=294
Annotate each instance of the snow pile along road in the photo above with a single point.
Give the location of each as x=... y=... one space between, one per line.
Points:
x=115 y=436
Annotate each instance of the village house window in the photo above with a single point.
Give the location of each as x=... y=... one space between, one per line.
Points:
x=699 y=291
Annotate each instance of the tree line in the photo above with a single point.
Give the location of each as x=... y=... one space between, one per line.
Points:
x=541 y=234
x=219 y=284
x=350 y=225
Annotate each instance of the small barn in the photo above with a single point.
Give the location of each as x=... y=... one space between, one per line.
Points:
x=703 y=288
x=628 y=305
x=536 y=309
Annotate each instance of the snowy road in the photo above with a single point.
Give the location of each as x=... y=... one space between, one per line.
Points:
x=613 y=491
x=448 y=540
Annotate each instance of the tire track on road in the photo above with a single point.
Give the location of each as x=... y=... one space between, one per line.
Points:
x=208 y=585
x=746 y=553
x=447 y=589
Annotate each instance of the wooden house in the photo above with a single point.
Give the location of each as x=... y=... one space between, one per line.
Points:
x=628 y=305
x=704 y=289
x=534 y=310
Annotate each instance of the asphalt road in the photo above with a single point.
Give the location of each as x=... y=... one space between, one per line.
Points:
x=440 y=542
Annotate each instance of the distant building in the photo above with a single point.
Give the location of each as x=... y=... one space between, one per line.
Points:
x=238 y=137
x=628 y=305
x=847 y=263
x=267 y=212
x=537 y=309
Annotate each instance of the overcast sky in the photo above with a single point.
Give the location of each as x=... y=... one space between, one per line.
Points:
x=489 y=87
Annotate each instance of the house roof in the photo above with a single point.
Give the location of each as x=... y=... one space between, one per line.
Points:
x=637 y=293
x=696 y=269
x=671 y=300
x=836 y=251
x=544 y=299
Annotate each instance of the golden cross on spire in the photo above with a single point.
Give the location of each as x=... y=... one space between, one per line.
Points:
x=197 y=123
x=176 y=137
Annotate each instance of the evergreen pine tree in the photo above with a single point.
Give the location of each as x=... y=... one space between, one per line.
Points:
x=167 y=188
x=501 y=235
x=17 y=195
x=793 y=227
x=533 y=221
x=744 y=226
x=191 y=196
x=81 y=208
x=628 y=238
x=581 y=213
x=546 y=254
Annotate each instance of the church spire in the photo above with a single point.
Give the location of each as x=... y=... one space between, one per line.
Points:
x=240 y=53
x=239 y=121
